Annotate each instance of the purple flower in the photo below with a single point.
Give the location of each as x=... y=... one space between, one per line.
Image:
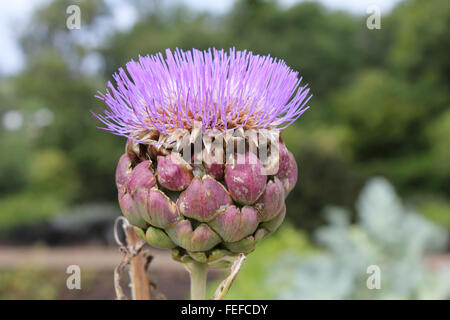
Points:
x=220 y=90
x=218 y=201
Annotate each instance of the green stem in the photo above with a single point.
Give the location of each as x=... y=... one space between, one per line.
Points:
x=198 y=272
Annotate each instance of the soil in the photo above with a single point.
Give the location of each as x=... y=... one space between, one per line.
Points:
x=97 y=265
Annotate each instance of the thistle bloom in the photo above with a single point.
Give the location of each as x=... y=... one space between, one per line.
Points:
x=203 y=208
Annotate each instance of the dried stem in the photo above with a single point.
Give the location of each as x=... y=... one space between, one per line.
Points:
x=140 y=284
x=136 y=259
x=225 y=285
x=119 y=292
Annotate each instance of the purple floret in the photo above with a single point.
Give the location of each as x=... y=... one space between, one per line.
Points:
x=222 y=90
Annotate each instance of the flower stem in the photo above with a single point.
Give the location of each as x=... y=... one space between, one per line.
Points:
x=198 y=272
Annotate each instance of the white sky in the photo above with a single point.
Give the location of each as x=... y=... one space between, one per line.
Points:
x=14 y=14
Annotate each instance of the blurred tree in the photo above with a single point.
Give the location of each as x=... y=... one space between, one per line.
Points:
x=421 y=43
x=55 y=52
x=438 y=134
x=389 y=111
x=384 y=120
x=380 y=103
x=419 y=52
x=159 y=28
x=47 y=31
x=318 y=43
x=47 y=155
x=324 y=179
x=50 y=172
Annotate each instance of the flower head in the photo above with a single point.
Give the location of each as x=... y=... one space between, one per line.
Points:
x=221 y=90
x=186 y=181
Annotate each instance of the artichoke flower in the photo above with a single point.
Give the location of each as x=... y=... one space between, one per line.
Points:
x=205 y=171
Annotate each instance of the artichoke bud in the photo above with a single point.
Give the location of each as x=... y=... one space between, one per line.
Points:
x=223 y=211
x=195 y=176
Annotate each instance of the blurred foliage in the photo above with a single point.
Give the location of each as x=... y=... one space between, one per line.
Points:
x=27 y=284
x=49 y=172
x=438 y=135
x=436 y=210
x=35 y=283
x=387 y=235
x=380 y=105
x=28 y=208
x=257 y=265
x=383 y=123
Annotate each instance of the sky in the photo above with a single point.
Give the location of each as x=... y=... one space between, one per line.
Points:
x=14 y=15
